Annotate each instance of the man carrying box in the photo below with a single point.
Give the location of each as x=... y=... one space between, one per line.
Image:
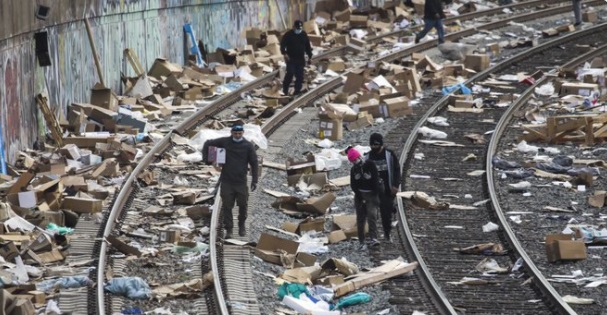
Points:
x=233 y=178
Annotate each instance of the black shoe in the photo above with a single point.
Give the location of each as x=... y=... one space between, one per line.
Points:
x=242 y=230
x=228 y=234
x=416 y=40
x=577 y=23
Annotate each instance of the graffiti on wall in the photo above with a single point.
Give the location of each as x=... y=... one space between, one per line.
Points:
x=151 y=29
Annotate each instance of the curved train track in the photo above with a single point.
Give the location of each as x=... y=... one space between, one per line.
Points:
x=132 y=196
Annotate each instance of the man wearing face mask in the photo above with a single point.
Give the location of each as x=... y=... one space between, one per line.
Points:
x=294 y=45
x=240 y=153
x=389 y=173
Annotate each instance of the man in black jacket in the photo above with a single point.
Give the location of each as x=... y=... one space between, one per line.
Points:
x=294 y=45
x=364 y=181
x=389 y=173
x=240 y=154
x=433 y=18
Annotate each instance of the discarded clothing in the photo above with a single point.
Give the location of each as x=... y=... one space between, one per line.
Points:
x=131 y=287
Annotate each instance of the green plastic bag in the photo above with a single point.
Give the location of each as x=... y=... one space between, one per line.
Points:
x=61 y=230
x=292 y=289
x=352 y=299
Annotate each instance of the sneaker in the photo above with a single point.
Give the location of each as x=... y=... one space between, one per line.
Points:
x=416 y=40
x=362 y=246
x=388 y=239
x=373 y=243
x=242 y=230
x=228 y=234
x=577 y=23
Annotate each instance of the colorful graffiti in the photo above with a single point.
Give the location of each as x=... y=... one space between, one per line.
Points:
x=152 y=29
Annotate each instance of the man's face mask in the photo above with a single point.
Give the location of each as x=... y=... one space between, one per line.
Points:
x=375 y=147
x=297 y=31
x=237 y=139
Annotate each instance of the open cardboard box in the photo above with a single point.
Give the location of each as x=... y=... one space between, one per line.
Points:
x=269 y=248
x=308 y=224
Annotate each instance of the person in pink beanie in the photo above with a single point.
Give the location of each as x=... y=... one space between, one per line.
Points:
x=364 y=181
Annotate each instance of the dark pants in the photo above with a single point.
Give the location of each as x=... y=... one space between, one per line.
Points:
x=366 y=212
x=577 y=10
x=386 y=208
x=433 y=23
x=294 y=68
x=231 y=194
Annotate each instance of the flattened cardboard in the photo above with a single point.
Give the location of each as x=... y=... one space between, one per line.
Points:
x=123 y=247
x=388 y=270
x=354 y=81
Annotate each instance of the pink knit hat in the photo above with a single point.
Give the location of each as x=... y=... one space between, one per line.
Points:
x=353 y=155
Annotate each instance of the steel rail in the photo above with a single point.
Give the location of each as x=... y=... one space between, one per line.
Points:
x=115 y=212
x=490 y=179
x=192 y=121
x=467 y=16
x=489 y=26
x=442 y=103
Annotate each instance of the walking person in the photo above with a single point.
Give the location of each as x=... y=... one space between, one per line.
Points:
x=577 y=11
x=364 y=181
x=294 y=45
x=389 y=174
x=433 y=18
x=240 y=153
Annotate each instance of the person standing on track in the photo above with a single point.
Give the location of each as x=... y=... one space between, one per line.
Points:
x=364 y=181
x=240 y=153
x=433 y=18
x=389 y=174
x=577 y=11
x=294 y=45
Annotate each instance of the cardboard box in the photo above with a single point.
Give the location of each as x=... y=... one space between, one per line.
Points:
x=337 y=236
x=9 y=251
x=82 y=205
x=347 y=223
x=307 y=166
x=590 y=16
x=358 y=21
x=345 y=111
x=42 y=243
x=269 y=248
x=21 y=307
x=169 y=236
x=309 y=224
x=398 y=107
x=162 y=67
x=217 y=155
x=477 y=62
x=388 y=270
x=316 y=179
x=71 y=151
x=330 y=125
x=563 y=247
x=103 y=97
x=354 y=81
x=363 y=120
x=583 y=89
x=317 y=205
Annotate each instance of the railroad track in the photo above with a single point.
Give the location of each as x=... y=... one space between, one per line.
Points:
x=128 y=197
x=433 y=234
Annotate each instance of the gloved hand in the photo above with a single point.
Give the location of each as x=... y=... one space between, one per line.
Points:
x=208 y=162
x=253 y=186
